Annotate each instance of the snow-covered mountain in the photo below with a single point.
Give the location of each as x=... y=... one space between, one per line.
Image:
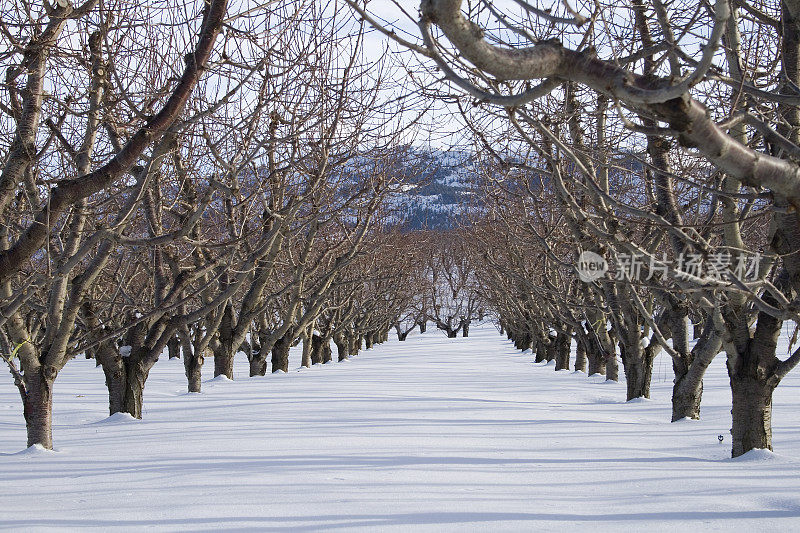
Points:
x=439 y=192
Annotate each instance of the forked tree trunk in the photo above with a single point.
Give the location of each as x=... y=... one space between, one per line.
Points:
x=687 y=391
x=125 y=379
x=223 y=358
x=258 y=358
x=38 y=407
x=686 y=397
x=752 y=386
x=280 y=354
x=135 y=378
x=751 y=414
x=594 y=354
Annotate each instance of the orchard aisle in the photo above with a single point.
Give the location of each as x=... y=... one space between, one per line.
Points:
x=430 y=434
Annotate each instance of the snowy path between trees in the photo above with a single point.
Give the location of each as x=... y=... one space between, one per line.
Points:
x=433 y=434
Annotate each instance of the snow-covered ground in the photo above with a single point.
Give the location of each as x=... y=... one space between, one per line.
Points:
x=430 y=434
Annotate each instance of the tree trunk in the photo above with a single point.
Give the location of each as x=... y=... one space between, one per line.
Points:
x=612 y=367
x=223 y=358
x=327 y=353
x=306 y=360
x=423 y=327
x=635 y=380
x=341 y=347
x=109 y=358
x=280 y=353
x=689 y=371
x=317 y=350
x=258 y=357
x=580 y=355
x=550 y=352
x=686 y=398
x=115 y=383
x=258 y=362
x=597 y=364
x=174 y=347
x=465 y=329
x=355 y=345
x=541 y=351
x=368 y=338
x=38 y=407
x=135 y=377
x=638 y=364
x=752 y=414
x=563 y=346
x=193 y=366
x=224 y=351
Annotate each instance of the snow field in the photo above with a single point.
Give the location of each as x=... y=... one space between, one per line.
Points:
x=433 y=434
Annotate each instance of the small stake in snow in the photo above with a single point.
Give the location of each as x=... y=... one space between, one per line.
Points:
x=720 y=438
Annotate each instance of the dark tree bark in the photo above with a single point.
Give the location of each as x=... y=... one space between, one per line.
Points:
x=38 y=407
x=563 y=348
x=307 y=359
x=280 y=353
x=638 y=364
x=580 y=354
x=541 y=351
x=342 y=347
x=174 y=347
x=751 y=414
x=193 y=366
x=320 y=349
x=223 y=349
x=355 y=344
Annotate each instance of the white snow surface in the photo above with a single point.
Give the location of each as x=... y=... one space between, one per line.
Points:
x=432 y=434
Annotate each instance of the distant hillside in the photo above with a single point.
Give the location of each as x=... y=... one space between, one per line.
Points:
x=438 y=195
